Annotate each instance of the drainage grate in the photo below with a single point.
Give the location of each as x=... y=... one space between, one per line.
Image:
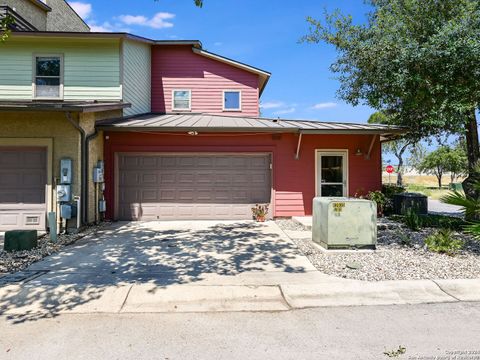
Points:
x=21 y=277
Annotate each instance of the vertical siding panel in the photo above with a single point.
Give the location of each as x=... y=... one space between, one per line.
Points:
x=178 y=67
x=137 y=77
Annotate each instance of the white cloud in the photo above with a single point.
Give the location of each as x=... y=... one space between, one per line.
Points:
x=324 y=105
x=285 y=111
x=107 y=27
x=158 y=21
x=84 y=10
x=272 y=105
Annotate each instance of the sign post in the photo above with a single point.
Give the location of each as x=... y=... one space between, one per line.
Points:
x=389 y=169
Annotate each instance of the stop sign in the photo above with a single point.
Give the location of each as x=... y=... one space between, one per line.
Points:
x=389 y=169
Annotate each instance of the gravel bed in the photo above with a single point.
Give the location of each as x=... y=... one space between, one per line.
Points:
x=393 y=259
x=11 y=262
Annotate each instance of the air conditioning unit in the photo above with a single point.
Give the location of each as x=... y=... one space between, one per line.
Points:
x=344 y=223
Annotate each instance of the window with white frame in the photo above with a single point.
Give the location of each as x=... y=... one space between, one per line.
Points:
x=182 y=100
x=232 y=100
x=48 y=82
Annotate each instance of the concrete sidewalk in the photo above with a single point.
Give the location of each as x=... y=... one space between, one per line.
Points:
x=31 y=302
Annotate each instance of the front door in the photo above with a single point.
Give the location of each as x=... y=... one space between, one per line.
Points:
x=331 y=173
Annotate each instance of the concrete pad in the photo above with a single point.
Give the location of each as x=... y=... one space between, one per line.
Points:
x=364 y=293
x=191 y=298
x=30 y=301
x=462 y=289
x=304 y=220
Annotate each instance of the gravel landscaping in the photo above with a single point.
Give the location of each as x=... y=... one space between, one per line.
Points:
x=393 y=259
x=19 y=260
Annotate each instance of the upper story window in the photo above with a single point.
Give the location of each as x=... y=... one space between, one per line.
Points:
x=48 y=82
x=232 y=100
x=182 y=100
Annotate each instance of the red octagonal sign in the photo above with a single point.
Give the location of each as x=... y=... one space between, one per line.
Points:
x=389 y=169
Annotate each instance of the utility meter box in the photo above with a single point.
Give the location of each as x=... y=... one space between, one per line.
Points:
x=65 y=171
x=68 y=211
x=343 y=223
x=64 y=193
x=98 y=175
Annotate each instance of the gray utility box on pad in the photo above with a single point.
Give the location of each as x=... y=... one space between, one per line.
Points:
x=343 y=223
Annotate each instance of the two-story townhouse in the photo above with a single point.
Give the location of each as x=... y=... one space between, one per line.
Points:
x=54 y=87
x=177 y=126
x=203 y=152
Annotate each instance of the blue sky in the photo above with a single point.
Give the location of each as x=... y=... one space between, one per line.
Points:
x=262 y=33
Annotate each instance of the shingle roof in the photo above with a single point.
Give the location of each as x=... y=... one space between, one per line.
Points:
x=221 y=123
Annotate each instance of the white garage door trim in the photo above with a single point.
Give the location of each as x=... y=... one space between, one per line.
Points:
x=28 y=216
x=119 y=155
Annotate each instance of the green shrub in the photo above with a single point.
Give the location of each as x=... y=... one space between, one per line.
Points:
x=379 y=198
x=412 y=220
x=434 y=221
x=442 y=221
x=389 y=191
x=473 y=229
x=404 y=238
x=443 y=241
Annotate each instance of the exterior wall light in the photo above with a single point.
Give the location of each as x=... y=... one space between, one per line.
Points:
x=358 y=152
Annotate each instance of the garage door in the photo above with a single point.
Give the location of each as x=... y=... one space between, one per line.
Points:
x=191 y=186
x=23 y=178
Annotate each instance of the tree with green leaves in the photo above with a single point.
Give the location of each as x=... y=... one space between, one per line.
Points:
x=457 y=163
x=5 y=23
x=444 y=160
x=416 y=60
x=395 y=147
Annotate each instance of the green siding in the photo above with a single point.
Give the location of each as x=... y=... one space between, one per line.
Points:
x=91 y=68
x=137 y=77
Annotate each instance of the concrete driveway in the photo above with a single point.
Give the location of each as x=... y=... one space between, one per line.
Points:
x=172 y=253
x=164 y=267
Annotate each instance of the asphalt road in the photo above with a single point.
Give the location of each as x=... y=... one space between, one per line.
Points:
x=424 y=331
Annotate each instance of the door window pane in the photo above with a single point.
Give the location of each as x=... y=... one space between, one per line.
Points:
x=332 y=190
x=332 y=169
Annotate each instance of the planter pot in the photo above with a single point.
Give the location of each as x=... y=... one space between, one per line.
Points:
x=260 y=218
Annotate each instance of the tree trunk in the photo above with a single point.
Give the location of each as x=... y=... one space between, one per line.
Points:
x=399 y=156
x=439 y=178
x=473 y=155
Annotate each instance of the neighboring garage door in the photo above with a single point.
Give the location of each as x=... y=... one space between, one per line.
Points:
x=23 y=178
x=191 y=186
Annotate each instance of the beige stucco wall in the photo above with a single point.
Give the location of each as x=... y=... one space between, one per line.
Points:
x=29 y=11
x=26 y=128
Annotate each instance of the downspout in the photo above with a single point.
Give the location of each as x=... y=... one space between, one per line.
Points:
x=83 y=167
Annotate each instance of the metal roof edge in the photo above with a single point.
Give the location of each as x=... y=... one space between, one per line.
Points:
x=85 y=34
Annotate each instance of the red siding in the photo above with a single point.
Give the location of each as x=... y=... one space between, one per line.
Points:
x=178 y=67
x=293 y=180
